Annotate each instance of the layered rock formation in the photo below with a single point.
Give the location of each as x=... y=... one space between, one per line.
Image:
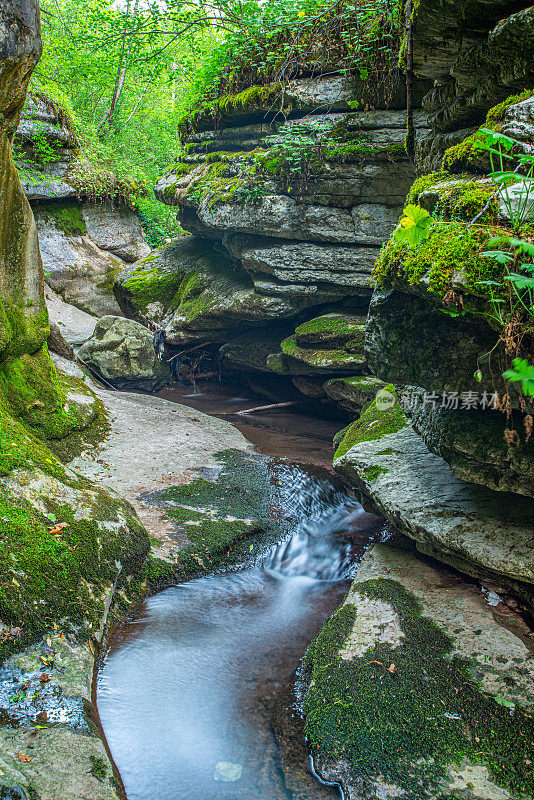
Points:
x=289 y=196
x=477 y=54
x=84 y=243
x=432 y=329
x=435 y=454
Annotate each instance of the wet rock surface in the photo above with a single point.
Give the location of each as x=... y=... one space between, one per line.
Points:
x=470 y=526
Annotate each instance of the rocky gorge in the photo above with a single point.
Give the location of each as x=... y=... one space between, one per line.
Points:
x=289 y=282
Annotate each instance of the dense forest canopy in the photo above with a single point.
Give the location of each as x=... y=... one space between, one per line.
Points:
x=129 y=73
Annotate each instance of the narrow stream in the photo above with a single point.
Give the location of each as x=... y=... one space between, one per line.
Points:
x=189 y=690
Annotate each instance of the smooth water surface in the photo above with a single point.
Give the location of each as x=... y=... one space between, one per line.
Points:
x=294 y=433
x=188 y=689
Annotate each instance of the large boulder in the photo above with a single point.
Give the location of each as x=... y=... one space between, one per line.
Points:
x=121 y=351
x=84 y=247
x=433 y=327
x=117 y=230
x=419 y=687
x=473 y=442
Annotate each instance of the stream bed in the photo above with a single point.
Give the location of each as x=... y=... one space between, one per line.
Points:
x=190 y=689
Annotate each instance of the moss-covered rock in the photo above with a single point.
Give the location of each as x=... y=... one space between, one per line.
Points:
x=318 y=359
x=416 y=690
x=353 y=393
x=472 y=441
x=465 y=155
x=330 y=330
x=200 y=294
x=380 y=417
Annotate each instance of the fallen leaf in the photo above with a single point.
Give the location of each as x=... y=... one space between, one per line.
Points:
x=376 y=662
x=58 y=527
x=24 y=759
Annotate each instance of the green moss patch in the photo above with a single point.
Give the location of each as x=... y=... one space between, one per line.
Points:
x=451 y=250
x=373 y=423
x=228 y=518
x=407 y=726
x=54 y=575
x=465 y=156
x=39 y=396
x=330 y=328
x=147 y=285
x=67 y=218
x=319 y=358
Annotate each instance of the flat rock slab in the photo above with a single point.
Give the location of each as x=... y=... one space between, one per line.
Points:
x=60 y=763
x=417 y=491
x=415 y=683
x=501 y=661
x=152 y=444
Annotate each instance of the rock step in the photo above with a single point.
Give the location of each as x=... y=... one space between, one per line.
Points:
x=473 y=528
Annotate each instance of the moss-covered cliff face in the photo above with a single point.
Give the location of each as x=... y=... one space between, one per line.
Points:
x=23 y=318
x=435 y=320
x=64 y=542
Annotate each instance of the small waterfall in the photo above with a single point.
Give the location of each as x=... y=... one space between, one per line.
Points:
x=188 y=691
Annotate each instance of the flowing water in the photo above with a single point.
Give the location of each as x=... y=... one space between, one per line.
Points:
x=190 y=689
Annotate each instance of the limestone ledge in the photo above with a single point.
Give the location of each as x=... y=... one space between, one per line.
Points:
x=470 y=526
x=414 y=648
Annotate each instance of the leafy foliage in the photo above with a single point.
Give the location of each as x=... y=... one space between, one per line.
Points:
x=414 y=226
x=522 y=371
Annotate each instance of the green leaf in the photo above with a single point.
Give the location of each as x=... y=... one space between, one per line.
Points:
x=490 y=138
x=501 y=176
x=499 y=256
x=522 y=372
x=520 y=281
x=506 y=703
x=413 y=227
x=478 y=375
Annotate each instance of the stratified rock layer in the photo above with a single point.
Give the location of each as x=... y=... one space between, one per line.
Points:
x=471 y=527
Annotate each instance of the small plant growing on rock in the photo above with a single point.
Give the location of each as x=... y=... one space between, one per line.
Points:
x=510 y=295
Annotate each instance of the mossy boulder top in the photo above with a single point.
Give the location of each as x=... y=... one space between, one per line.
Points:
x=418 y=688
